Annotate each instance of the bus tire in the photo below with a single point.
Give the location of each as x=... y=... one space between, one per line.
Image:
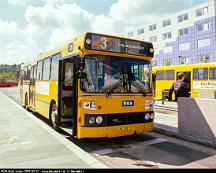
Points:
x=54 y=116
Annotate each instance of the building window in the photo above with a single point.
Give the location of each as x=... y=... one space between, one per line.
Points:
x=130 y=34
x=204 y=43
x=203 y=26
x=166 y=23
x=183 y=31
x=168 y=49
x=184 y=60
x=200 y=74
x=184 y=46
x=167 y=62
x=167 y=35
x=201 y=11
x=183 y=17
x=140 y=31
x=212 y=73
x=152 y=27
x=204 y=59
x=153 y=39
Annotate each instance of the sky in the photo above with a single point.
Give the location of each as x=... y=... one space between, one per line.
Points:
x=30 y=27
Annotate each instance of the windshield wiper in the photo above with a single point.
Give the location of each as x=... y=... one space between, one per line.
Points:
x=139 y=87
x=114 y=87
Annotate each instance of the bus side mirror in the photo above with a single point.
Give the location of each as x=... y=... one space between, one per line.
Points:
x=81 y=63
x=82 y=75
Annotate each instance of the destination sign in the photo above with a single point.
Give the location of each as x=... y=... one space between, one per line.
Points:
x=118 y=45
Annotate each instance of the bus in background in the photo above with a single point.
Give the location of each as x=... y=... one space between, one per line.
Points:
x=200 y=77
x=8 y=82
x=101 y=84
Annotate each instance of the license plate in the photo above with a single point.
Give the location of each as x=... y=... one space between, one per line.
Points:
x=126 y=129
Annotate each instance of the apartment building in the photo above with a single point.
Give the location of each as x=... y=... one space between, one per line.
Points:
x=186 y=37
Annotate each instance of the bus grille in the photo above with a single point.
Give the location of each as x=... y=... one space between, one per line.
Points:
x=119 y=119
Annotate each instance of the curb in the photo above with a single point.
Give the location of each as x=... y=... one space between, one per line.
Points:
x=87 y=158
x=163 y=129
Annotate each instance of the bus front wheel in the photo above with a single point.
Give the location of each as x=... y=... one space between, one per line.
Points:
x=54 y=117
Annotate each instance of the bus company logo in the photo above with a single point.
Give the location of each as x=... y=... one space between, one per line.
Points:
x=117 y=120
x=204 y=85
x=128 y=103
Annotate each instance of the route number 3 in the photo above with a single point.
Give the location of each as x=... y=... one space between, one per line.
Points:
x=104 y=43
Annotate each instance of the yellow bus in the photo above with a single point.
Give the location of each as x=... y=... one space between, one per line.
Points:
x=200 y=77
x=96 y=82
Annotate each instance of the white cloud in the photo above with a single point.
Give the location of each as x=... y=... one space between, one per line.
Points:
x=137 y=11
x=47 y=26
x=8 y=27
x=51 y=22
x=18 y=52
x=17 y=2
x=64 y=21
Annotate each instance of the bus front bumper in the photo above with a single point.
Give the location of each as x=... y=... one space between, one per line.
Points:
x=114 y=131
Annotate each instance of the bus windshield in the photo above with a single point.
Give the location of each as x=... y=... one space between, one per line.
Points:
x=109 y=75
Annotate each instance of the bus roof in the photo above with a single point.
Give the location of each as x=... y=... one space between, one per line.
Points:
x=63 y=47
x=185 y=66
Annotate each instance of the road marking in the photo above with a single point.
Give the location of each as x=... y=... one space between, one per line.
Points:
x=103 y=152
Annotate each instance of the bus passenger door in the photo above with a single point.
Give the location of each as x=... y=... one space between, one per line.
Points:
x=66 y=95
x=187 y=79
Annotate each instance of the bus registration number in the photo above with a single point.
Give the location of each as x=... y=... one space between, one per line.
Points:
x=127 y=129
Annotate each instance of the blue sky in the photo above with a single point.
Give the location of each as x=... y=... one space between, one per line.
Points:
x=29 y=27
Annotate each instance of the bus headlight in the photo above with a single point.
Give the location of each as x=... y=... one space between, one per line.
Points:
x=147 y=116
x=99 y=120
x=91 y=120
x=152 y=115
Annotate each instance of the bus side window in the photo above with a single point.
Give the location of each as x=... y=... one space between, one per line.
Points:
x=35 y=74
x=212 y=73
x=25 y=73
x=28 y=73
x=200 y=74
x=170 y=75
x=160 y=75
x=46 y=69
x=39 y=70
x=55 y=67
